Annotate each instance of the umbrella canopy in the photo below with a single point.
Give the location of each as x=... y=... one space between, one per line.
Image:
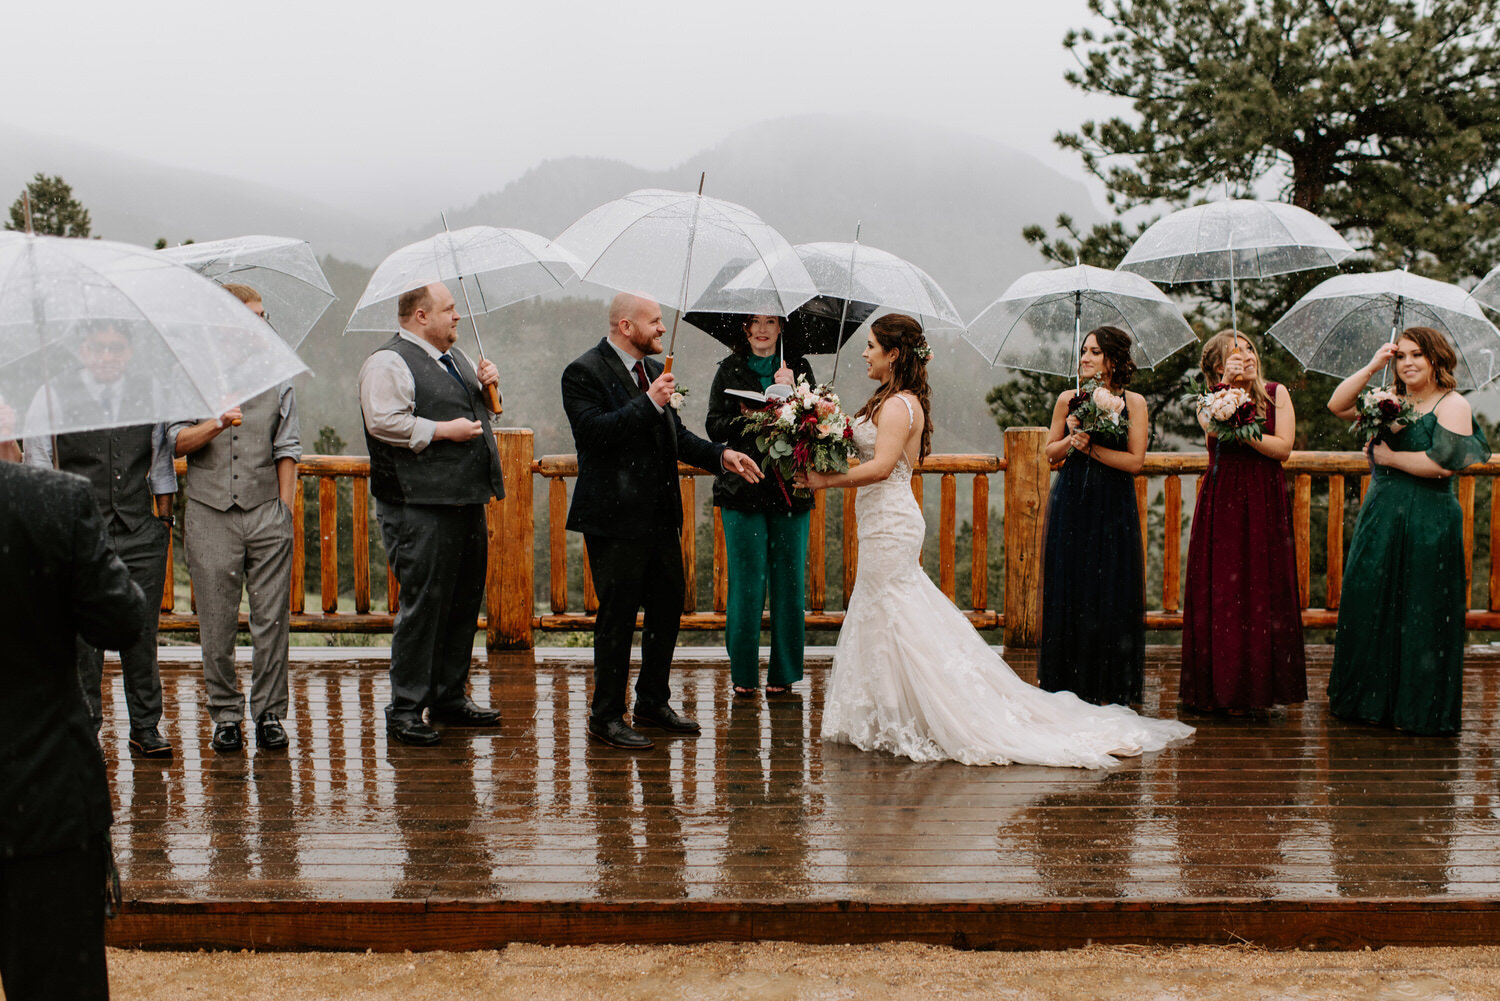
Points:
x=1234 y=239
x=861 y=273
x=1336 y=327
x=499 y=266
x=672 y=245
x=283 y=270
x=1487 y=292
x=820 y=325
x=1037 y=323
x=192 y=349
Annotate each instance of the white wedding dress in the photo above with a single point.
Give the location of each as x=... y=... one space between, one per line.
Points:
x=911 y=676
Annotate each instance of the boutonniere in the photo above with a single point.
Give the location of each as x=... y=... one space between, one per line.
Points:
x=677 y=399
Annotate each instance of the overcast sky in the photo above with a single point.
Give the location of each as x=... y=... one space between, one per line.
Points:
x=345 y=101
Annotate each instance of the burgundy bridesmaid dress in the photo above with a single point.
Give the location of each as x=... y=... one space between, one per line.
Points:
x=1242 y=622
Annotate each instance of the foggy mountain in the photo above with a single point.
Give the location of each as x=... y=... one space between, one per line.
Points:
x=137 y=201
x=952 y=203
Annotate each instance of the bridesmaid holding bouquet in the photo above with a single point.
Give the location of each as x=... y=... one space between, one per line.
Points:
x=1399 y=652
x=1093 y=587
x=1242 y=625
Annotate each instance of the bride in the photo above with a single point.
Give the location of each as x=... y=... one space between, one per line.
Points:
x=910 y=674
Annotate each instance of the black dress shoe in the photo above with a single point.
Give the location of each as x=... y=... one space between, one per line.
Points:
x=150 y=743
x=466 y=713
x=663 y=718
x=616 y=733
x=227 y=737
x=269 y=733
x=413 y=732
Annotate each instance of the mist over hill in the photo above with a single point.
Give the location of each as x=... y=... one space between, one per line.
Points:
x=950 y=202
x=138 y=201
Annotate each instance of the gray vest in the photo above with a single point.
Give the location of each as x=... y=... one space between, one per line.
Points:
x=445 y=472
x=115 y=461
x=236 y=469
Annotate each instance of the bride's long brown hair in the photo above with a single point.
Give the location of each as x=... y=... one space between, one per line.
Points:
x=903 y=334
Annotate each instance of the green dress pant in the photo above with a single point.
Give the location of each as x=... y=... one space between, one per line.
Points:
x=765 y=548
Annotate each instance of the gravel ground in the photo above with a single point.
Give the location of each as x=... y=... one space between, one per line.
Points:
x=788 y=971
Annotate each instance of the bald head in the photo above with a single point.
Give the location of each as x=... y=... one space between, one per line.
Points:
x=635 y=324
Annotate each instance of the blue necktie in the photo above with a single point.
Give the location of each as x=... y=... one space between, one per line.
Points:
x=447 y=361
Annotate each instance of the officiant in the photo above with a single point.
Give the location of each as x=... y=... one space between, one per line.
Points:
x=765 y=523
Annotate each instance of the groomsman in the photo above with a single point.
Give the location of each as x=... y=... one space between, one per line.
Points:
x=241 y=483
x=125 y=466
x=629 y=509
x=433 y=468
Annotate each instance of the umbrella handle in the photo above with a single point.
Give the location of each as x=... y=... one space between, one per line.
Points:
x=492 y=396
x=667 y=366
x=235 y=423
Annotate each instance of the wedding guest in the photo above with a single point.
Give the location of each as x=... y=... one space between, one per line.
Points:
x=765 y=523
x=433 y=468
x=60 y=584
x=130 y=470
x=1093 y=583
x=1242 y=623
x=241 y=483
x=628 y=507
x=1399 y=650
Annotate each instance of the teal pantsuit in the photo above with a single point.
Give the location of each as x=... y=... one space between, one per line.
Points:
x=765 y=548
x=765 y=535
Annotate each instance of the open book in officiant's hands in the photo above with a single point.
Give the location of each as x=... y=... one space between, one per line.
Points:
x=775 y=391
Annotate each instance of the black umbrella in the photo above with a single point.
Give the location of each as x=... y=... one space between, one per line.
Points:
x=812 y=329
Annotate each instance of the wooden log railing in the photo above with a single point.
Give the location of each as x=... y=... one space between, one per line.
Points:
x=511 y=616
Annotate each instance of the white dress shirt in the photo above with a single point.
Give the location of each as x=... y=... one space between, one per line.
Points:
x=388 y=395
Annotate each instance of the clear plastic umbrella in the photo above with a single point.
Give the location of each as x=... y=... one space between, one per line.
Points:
x=501 y=266
x=283 y=270
x=853 y=274
x=1234 y=239
x=671 y=245
x=1336 y=327
x=75 y=312
x=1487 y=292
x=1028 y=326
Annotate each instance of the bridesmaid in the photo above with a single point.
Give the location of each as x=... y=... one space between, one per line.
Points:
x=1093 y=587
x=1399 y=652
x=1241 y=621
x=765 y=526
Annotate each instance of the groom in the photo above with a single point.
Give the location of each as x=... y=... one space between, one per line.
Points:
x=629 y=509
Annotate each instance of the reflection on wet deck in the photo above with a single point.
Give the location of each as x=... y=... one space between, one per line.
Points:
x=1293 y=806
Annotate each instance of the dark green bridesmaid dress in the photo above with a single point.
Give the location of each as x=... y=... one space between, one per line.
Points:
x=1399 y=651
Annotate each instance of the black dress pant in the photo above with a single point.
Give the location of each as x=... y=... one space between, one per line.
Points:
x=52 y=926
x=143 y=550
x=439 y=554
x=631 y=575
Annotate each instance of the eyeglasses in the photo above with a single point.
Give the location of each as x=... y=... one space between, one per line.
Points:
x=265 y=315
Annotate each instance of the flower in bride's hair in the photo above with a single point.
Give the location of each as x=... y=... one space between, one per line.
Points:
x=923 y=350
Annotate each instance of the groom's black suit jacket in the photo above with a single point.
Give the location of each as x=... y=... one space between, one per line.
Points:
x=627 y=451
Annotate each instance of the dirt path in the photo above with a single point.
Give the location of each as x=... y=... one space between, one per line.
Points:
x=784 y=971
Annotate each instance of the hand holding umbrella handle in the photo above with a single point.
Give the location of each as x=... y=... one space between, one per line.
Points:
x=489 y=384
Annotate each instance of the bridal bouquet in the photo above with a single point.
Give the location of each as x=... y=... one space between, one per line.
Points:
x=806 y=432
x=1097 y=409
x=1381 y=410
x=1231 y=413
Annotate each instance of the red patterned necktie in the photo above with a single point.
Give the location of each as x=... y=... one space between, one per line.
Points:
x=640 y=376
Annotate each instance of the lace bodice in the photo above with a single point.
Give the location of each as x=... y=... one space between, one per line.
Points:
x=864 y=444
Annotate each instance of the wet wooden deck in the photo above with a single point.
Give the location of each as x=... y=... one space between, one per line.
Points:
x=1289 y=829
